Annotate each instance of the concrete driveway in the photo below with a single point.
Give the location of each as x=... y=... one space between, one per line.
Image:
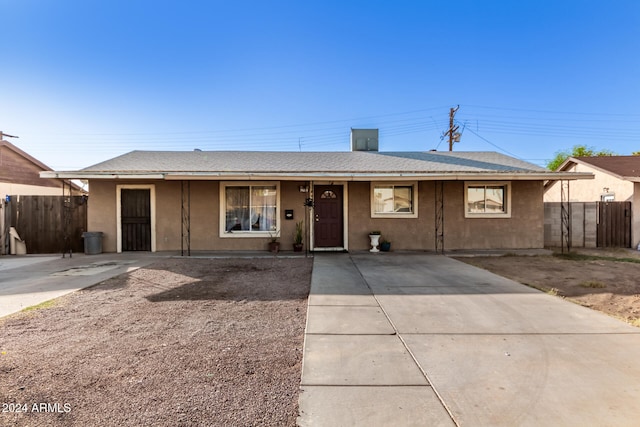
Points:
x=415 y=339
x=32 y=279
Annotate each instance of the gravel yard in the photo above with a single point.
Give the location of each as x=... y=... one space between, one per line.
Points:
x=603 y=280
x=184 y=341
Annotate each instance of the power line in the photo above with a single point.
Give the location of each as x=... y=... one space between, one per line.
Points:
x=496 y=146
x=261 y=129
x=394 y=127
x=637 y=116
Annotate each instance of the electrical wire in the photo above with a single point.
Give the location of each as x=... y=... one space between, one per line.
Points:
x=481 y=121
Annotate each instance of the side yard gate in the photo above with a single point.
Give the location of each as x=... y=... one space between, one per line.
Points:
x=48 y=224
x=614 y=224
x=593 y=224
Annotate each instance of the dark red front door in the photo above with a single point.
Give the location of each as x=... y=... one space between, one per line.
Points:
x=328 y=216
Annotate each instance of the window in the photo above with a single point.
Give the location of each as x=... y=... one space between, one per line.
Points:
x=249 y=209
x=390 y=200
x=487 y=200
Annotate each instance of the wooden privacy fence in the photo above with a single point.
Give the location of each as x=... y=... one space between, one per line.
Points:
x=593 y=224
x=48 y=224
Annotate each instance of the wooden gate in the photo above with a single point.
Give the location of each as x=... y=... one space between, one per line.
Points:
x=41 y=221
x=614 y=224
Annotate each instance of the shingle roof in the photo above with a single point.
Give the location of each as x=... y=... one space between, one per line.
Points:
x=352 y=165
x=309 y=162
x=622 y=166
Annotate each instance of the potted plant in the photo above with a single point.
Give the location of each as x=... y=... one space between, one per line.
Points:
x=375 y=241
x=297 y=237
x=385 y=245
x=274 y=245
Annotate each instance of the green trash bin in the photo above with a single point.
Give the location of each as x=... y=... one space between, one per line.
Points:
x=92 y=242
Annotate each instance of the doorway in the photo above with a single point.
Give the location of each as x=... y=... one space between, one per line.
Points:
x=328 y=216
x=135 y=219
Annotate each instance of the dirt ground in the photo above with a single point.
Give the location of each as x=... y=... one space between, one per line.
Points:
x=181 y=342
x=187 y=342
x=607 y=281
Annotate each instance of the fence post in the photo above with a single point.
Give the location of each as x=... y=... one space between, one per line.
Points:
x=2 y=229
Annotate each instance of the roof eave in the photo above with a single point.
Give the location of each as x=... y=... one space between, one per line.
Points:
x=100 y=175
x=344 y=176
x=562 y=176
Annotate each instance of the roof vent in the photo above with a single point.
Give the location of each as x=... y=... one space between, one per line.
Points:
x=364 y=139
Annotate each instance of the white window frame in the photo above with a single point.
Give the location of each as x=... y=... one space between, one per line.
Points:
x=507 y=192
x=247 y=233
x=414 y=201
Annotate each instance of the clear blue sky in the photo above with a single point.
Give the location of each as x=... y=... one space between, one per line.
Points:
x=84 y=81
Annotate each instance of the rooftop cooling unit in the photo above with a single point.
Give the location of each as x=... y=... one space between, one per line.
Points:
x=364 y=139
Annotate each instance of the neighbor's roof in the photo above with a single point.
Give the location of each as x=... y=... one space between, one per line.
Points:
x=623 y=167
x=356 y=165
x=24 y=154
x=37 y=163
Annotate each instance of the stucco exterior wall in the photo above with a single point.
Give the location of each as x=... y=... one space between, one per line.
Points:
x=635 y=216
x=292 y=198
x=205 y=215
x=168 y=215
x=403 y=233
x=101 y=212
x=524 y=229
x=590 y=190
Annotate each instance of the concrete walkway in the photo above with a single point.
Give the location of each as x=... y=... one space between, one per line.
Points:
x=415 y=339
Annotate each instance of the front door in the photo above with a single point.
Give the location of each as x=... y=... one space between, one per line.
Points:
x=136 y=219
x=328 y=216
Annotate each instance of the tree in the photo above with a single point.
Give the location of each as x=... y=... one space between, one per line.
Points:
x=576 y=151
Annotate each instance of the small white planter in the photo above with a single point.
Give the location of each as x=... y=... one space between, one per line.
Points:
x=375 y=241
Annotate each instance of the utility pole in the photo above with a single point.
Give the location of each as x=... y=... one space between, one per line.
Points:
x=2 y=135
x=454 y=135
